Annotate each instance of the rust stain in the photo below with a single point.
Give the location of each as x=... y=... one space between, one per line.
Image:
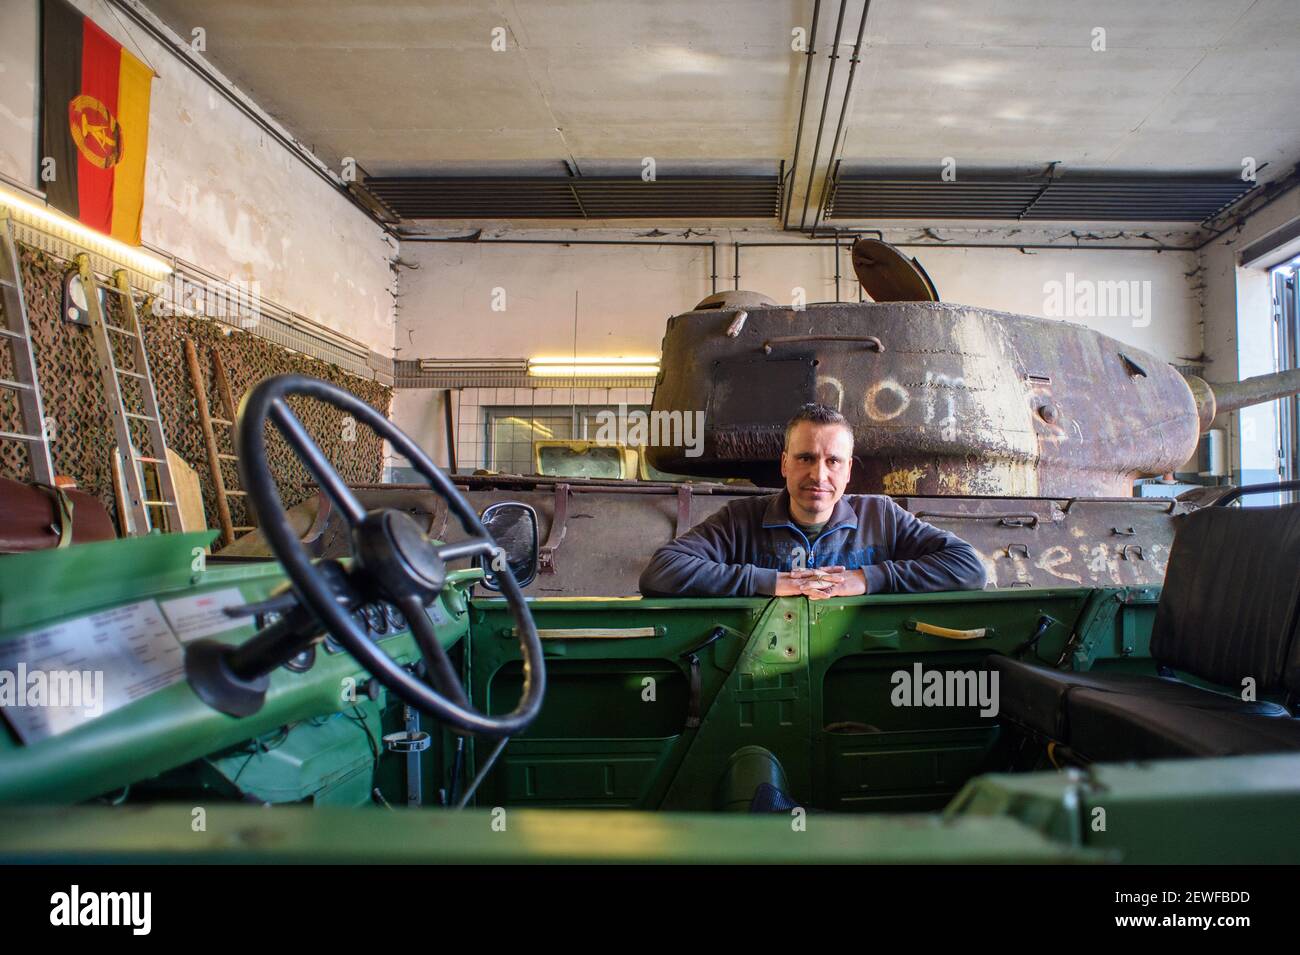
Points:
x=903 y=481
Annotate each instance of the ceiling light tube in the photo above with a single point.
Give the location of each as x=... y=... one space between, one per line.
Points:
x=593 y=371
x=588 y=360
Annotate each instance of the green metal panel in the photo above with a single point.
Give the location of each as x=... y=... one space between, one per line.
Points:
x=1237 y=810
x=871 y=755
x=106 y=573
x=785 y=671
x=323 y=835
x=606 y=737
x=764 y=702
x=327 y=760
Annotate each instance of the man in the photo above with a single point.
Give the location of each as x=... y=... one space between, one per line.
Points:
x=810 y=539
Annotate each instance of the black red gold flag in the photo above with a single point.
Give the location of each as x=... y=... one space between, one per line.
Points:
x=94 y=122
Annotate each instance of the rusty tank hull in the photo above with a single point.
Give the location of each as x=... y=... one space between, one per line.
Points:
x=597 y=535
x=943 y=399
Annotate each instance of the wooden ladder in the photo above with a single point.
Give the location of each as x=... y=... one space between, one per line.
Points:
x=24 y=384
x=138 y=506
x=217 y=459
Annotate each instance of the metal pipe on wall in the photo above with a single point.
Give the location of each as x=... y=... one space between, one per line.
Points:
x=836 y=144
x=803 y=106
x=821 y=123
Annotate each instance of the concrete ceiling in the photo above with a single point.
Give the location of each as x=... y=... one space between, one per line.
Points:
x=1183 y=85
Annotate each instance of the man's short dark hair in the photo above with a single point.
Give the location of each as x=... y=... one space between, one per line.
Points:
x=817 y=414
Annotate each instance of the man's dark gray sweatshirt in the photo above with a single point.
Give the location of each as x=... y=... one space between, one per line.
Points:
x=739 y=550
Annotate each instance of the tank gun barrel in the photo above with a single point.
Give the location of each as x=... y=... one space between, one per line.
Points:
x=1217 y=398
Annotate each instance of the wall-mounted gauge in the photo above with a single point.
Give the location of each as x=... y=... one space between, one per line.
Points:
x=76 y=308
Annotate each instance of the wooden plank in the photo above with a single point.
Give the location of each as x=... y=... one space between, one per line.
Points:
x=231 y=414
x=189 y=495
x=209 y=442
x=125 y=525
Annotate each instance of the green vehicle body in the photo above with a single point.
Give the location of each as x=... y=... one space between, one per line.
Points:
x=661 y=718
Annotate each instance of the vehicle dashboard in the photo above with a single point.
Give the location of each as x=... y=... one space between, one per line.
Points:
x=126 y=609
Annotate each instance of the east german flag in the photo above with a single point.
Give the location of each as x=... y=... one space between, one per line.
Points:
x=94 y=123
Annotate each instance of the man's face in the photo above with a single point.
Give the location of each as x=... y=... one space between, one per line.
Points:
x=816 y=467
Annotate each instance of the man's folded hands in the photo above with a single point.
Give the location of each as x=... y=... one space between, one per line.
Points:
x=818 y=583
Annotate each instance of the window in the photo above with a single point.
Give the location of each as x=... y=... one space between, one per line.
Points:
x=513 y=432
x=499 y=429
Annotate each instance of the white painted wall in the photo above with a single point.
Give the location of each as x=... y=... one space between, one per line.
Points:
x=18 y=86
x=219 y=192
x=625 y=296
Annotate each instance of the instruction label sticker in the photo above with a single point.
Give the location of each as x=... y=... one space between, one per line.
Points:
x=204 y=614
x=57 y=678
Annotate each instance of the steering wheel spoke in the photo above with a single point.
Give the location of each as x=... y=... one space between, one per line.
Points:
x=391 y=552
x=316 y=463
x=441 y=673
x=485 y=546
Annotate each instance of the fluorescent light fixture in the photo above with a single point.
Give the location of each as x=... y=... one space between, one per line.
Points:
x=596 y=360
x=499 y=365
x=594 y=371
x=634 y=366
x=104 y=244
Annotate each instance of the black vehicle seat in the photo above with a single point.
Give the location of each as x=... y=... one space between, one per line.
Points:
x=1229 y=610
x=1034 y=697
x=1108 y=727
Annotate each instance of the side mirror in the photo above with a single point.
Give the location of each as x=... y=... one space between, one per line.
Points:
x=514 y=527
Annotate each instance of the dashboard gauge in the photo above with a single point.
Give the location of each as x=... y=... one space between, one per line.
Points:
x=375 y=619
x=396 y=620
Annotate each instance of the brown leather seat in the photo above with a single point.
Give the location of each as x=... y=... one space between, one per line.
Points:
x=40 y=517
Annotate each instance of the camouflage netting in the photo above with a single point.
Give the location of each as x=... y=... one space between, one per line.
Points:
x=83 y=436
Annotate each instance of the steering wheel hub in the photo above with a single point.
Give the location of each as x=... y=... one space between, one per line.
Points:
x=394 y=552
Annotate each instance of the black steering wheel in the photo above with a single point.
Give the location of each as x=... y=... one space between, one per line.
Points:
x=392 y=558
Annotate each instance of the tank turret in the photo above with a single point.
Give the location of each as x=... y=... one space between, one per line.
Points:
x=943 y=399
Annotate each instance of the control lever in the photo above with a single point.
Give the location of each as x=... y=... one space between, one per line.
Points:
x=234 y=679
